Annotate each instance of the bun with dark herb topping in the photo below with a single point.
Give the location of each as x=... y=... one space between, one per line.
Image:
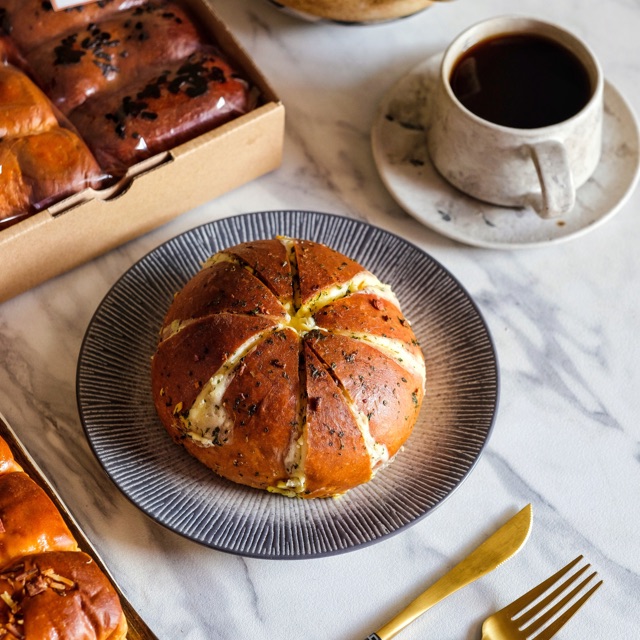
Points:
x=284 y=365
x=32 y=22
x=107 y=55
x=175 y=103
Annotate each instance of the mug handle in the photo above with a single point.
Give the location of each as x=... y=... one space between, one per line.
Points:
x=556 y=181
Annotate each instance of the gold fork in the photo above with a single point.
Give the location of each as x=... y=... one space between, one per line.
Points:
x=519 y=620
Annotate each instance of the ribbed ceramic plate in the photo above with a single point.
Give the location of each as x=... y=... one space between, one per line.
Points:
x=116 y=407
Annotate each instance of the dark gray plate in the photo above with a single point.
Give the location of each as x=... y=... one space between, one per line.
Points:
x=117 y=411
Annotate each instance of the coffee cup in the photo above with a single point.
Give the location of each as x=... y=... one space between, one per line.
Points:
x=517 y=112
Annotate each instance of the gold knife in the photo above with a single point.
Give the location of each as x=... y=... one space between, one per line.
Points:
x=495 y=550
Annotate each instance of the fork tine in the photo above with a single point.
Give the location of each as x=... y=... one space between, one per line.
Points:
x=531 y=613
x=523 y=601
x=539 y=622
x=553 y=628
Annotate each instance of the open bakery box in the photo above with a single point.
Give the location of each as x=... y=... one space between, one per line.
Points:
x=155 y=190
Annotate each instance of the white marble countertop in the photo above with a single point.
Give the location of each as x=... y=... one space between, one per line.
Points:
x=565 y=323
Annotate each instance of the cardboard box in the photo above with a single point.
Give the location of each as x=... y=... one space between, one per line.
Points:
x=153 y=192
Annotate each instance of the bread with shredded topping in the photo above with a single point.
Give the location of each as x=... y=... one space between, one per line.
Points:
x=286 y=366
x=59 y=594
x=49 y=587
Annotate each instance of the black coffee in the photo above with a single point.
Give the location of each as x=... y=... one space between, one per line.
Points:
x=521 y=80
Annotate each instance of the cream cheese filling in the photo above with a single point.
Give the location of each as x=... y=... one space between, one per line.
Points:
x=208 y=422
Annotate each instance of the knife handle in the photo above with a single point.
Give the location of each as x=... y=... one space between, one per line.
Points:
x=495 y=550
x=445 y=586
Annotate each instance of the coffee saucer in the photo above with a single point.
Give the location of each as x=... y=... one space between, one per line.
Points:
x=399 y=138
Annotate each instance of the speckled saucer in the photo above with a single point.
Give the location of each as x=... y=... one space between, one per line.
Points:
x=400 y=153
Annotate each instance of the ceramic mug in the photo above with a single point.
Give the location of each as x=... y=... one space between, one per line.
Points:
x=518 y=166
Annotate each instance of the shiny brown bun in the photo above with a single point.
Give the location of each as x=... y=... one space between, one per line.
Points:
x=32 y=22
x=49 y=589
x=162 y=109
x=286 y=366
x=30 y=522
x=61 y=596
x=7 y=461
x=108 y=55
x=40 y=169
x=25 y=109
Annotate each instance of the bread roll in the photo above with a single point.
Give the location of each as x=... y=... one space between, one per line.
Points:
x=39 y=170
x=32 y=22
x=162 y=109
x=61 y=595
x=284 y=365
x=25 y=109
x=7 y=461
x=30 y=521
x=49 y=589
x=41 y=161
x=107 y=55
x=15 y=193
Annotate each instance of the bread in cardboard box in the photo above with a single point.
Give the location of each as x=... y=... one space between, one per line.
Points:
x=43 y=160
x=181 y=100
x=61 y=595
x=107 y=55
x=137 y=78
x=29 y=23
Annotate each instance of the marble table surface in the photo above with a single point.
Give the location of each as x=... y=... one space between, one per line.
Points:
x=564 y=318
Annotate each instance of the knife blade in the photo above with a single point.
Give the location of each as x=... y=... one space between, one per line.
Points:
x=496 y=549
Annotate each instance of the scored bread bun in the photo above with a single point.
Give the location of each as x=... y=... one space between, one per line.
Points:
x=284 y=365
x=59 y=594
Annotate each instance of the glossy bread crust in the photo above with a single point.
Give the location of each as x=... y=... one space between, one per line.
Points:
x=61 y=595
x=55 y=164
x=30 y=521
x=8 y=463
x=42 y=161
x=29 y=23
x=108 y=55
x=285 y=365
x=50 y=589
x=172 y=104
x=25 y=109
